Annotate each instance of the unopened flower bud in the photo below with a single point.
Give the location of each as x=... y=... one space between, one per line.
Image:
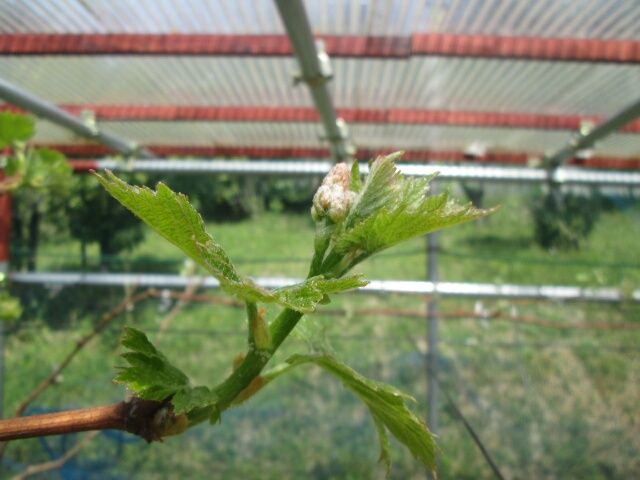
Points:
x=334 y=198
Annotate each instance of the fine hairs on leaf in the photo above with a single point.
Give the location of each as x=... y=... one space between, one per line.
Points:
x=354 y=220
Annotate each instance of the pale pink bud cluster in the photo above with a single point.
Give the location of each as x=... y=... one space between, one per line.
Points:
x=334 y=198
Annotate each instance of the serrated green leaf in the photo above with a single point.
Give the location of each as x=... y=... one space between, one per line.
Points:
x=305 y=296
x=356 y=181
x=15 y=128
x=151 y=376
x=173 y=217
x=388 y=407
x=378 y=189
x=392 y=208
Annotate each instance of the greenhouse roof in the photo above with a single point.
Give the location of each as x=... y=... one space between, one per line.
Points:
x=431 y=77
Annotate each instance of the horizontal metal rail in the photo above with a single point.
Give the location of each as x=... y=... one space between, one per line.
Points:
x=565 y=175
x=448 y=289
x=25 y=100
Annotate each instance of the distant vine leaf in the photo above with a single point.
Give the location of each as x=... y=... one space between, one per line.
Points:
x=10 y=307
x=151 y=376
x=392 y=208
x=47 y=169
x=15 y=128
x=387 y=406
x=172 y=216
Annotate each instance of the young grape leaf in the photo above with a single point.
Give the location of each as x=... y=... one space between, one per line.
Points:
x=356 y=182
x=151 y=376
x=15 y=128
x=392 y=208
x=173 y=217
x=387 y=406
x=305 y=296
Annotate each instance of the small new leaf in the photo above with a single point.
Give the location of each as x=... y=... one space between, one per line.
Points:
x=387 y=406
x=151 y=376
x=305 y=297
x=356 y=182
x=392 y=208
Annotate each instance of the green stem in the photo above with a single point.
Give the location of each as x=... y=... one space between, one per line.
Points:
x=249 y=369
x=259 y=352
x=252 y=318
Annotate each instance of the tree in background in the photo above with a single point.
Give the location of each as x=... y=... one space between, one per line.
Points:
x=563 y=220
x=94 y=216
x=37 y=179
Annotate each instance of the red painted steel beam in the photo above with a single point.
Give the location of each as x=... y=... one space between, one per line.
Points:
x=85 y=151
x=432 y=44
x=351 y=115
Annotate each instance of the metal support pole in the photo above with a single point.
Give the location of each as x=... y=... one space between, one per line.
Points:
x=5 y=233
x=16 y=96
x=315 y=72
x=588 y=138
x=432 y=334
x=433 y=387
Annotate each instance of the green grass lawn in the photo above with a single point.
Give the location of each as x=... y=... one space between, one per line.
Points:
x=498 y=250
x=547 y=402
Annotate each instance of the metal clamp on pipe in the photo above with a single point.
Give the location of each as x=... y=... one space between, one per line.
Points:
x=325 y=72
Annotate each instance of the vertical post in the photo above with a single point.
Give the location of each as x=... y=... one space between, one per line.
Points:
x=432 y=334
x=5 y=233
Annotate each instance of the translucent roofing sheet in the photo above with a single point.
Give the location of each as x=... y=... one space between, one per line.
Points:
x=281 y=134
x=543 y=18
x=419 y=82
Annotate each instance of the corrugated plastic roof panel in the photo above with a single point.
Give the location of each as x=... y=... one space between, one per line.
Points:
x=542 y=18
x=420 y=82
x=417 y=82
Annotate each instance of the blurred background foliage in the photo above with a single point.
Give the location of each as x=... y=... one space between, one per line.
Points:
x=551 y=387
